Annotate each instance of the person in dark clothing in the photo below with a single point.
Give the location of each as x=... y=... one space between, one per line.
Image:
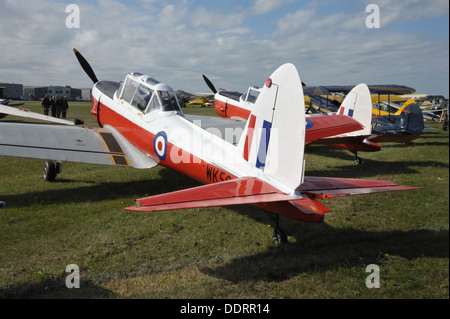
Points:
x=58 y=107
x=46 y=104
x=53 y=106
x=64 y=106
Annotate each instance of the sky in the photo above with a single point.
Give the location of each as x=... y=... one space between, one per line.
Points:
x=235 y=43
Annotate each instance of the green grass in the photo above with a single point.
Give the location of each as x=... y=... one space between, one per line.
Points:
x=225 y=252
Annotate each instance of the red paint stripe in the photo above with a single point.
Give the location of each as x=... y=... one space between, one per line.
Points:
x=188 y=164
x=341 y=111
x=249 y=137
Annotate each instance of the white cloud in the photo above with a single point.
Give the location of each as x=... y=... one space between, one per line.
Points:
x=176 y=42
x=266 y=6
x=411 y=10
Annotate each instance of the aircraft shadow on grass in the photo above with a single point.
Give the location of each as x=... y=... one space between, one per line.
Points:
x=370 y=168
x=55 y=287
x=322 y=248
x=99 y=191
x=341 y=247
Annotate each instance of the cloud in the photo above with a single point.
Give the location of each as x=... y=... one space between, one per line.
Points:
x=177 y=41
x=411 y=10
x=265 y=6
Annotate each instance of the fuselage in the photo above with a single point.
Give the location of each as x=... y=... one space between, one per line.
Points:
x=151 y=120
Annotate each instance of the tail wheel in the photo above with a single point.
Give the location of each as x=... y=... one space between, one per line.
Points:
x=279 y=236
x=49 y=171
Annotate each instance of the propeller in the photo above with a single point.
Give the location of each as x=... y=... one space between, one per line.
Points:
x=209 y=83
x=85 y=65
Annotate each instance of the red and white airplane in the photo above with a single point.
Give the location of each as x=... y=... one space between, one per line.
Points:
x=142 y=125
x=357 y=105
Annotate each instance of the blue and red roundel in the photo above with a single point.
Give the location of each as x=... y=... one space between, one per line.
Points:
x=160 y=145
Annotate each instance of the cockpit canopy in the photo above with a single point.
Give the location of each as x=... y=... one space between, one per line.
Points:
x=147 y=94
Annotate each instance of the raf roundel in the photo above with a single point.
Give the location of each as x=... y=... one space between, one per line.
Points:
x=309 y=124
x=160 y=145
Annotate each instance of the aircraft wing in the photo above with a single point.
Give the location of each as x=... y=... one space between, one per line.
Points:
x=5 y=109
x=374 y=89
x=70 y=143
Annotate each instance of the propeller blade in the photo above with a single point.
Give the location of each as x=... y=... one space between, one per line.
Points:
x=209 y=83
x=85 y=65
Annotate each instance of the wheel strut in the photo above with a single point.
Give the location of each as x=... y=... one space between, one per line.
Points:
x=279 y=236
x=358 y=160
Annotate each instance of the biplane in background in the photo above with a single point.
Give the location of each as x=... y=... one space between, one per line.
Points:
x=193 y=99
x=142 y=125
x=327 y=99
x=402 y=125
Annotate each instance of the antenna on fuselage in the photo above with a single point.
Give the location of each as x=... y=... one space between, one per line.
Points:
x=85 y=65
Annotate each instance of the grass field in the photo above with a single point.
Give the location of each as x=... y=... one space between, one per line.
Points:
x=225 y=252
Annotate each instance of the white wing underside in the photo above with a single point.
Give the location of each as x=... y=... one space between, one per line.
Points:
x=70 y=143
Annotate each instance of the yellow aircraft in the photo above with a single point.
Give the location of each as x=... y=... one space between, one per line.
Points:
x=382 y=109
x=198 y=100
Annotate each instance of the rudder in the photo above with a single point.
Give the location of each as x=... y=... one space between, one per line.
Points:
x=274 y=136
x=358 y=105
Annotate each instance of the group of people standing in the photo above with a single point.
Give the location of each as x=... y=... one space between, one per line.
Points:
x=58 y=106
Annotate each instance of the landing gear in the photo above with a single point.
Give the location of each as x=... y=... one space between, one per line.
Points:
x=358 y=160
x=51 y=170
x=279 y=236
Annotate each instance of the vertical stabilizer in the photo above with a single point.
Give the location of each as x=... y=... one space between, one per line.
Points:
x=274 y=136
x=358 y=105
x=411 y=120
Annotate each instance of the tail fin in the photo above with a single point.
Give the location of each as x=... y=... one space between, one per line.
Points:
x=411 y=119
x=274 y=137
x=400 y=110
x=358 y=105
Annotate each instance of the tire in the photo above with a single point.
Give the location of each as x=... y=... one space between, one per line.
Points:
x=49 y=171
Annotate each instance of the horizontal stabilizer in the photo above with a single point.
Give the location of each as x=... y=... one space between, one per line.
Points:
x=329 y=187
x=319 y=127
x=247 y=190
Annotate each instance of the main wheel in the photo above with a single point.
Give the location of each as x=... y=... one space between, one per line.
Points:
x=358 y=160
x=49 y=171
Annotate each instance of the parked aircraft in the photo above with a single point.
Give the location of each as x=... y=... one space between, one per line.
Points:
x=404 y=126
x=357 y=105
x=409 y=125
x=142 y=125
